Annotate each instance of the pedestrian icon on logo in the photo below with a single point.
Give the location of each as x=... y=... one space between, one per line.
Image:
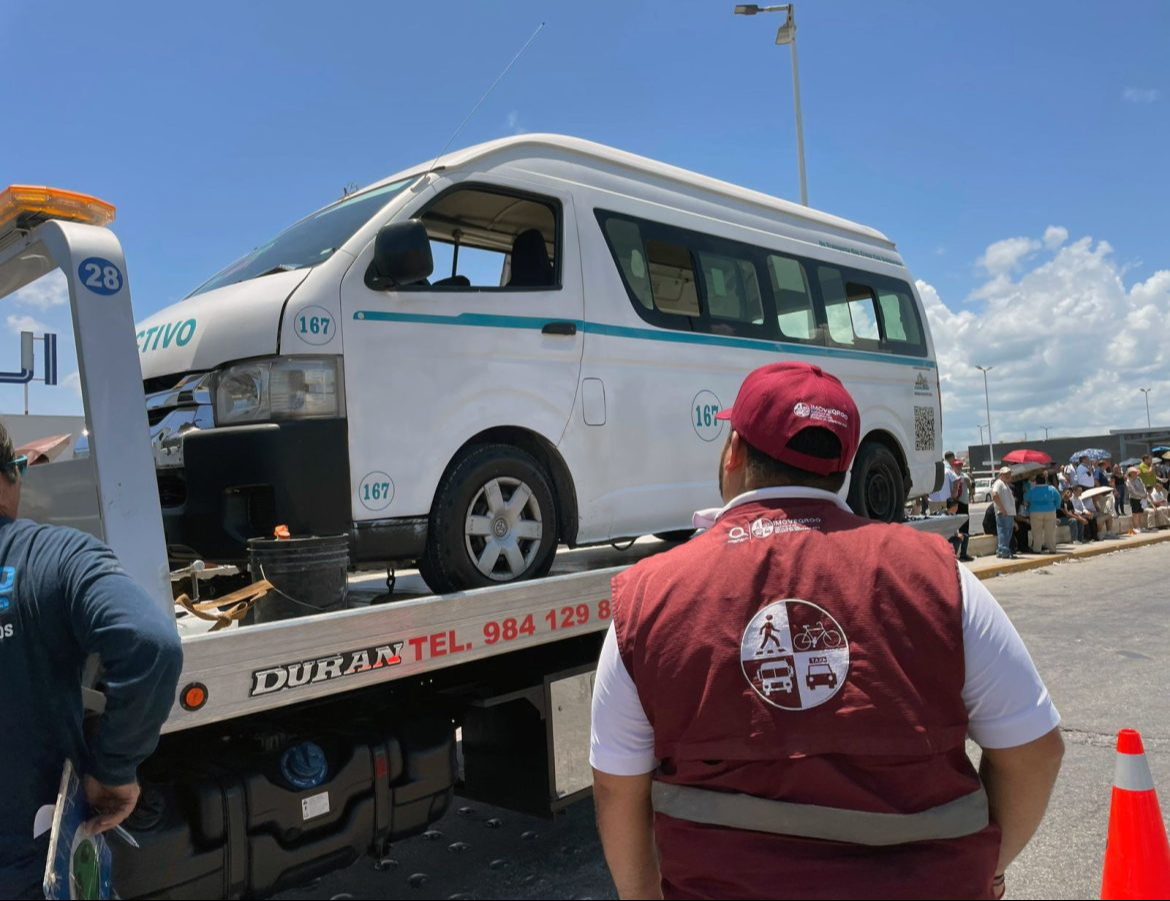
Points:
x=768 y=633
x=794 y=654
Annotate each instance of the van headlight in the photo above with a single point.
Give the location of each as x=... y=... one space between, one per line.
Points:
x=279 y=388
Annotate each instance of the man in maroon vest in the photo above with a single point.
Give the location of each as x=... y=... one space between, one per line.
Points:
x=782 y=704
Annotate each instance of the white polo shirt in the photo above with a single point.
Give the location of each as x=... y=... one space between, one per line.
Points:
x=948 y=486
x=1007 y=702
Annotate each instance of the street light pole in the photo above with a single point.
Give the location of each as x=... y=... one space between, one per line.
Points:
x=1146 y=392
x=987 y=401
x=786 y=34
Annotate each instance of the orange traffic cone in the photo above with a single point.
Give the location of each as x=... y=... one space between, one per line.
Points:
x=1137 y=855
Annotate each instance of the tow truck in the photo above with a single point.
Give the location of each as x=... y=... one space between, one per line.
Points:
x=296 y=746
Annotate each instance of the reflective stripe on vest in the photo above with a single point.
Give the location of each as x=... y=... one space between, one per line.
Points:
x=955 y=819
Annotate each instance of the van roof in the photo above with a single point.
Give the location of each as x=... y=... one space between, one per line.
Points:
x=591 y=152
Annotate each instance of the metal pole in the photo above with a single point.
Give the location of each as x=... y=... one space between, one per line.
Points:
x=799 y=117
x=26 y=398
x=987 y=401
x=1146 y=392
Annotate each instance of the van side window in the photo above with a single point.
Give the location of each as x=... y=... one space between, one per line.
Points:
x=863 y=311
x=626 y=240
x=900 y=315
x=488 y=238
x=683 y=279
x=836 y=305
x=732 y=289
x=795 y=313
x=850 y=308
x=672 y=278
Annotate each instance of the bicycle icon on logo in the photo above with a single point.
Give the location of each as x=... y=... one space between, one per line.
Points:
x=811 y=636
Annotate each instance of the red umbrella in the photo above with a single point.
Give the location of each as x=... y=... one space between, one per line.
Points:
x=1027 y=456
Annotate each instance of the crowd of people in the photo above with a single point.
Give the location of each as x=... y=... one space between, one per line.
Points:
x=1027 y=508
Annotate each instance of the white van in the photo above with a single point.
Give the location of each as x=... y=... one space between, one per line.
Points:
x=521 y=345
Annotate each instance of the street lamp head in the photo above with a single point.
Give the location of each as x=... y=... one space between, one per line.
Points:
x=750 y=9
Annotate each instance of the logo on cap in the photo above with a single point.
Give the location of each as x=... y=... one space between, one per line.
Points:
x=802 y=410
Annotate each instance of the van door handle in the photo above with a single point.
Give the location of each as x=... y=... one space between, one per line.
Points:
x=559 y=328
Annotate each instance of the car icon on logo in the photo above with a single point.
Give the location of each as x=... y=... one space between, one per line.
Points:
x=820 y=674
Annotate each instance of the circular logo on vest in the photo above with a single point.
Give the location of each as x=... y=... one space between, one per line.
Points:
x=802 y=410
x=762 y=527
x=794 y=654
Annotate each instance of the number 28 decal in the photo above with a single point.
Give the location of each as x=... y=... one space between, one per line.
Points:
x=100 y=276
x=314 y=324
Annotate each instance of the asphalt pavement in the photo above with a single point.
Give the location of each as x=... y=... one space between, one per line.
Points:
x=1099 y=632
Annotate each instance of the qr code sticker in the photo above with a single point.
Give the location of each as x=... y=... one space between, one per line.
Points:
x=924 y=428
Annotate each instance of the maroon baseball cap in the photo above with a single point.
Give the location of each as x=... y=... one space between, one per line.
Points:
x=778 y=401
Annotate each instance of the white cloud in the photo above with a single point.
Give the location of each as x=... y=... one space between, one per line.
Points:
x=1007 y=255
x=513 y=122
x=1069 y=342
x=47 y=291
x=1054 y=236
x=1141 y=95
x=24 y=323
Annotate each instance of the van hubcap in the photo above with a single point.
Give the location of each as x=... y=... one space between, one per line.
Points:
x=503 y=529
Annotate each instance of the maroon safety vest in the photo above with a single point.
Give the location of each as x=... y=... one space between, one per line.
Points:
x=798 y=653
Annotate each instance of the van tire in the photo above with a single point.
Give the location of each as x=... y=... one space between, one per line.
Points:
x=876 y=488
x=467 y=491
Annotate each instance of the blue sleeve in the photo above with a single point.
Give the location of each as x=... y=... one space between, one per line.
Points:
x=114 y=617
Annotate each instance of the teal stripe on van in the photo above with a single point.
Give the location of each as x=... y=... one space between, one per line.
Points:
x=489 y=320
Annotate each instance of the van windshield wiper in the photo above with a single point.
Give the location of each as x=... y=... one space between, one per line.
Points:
x=279 y=267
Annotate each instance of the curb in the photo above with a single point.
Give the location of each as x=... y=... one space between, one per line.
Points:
x=1015 y=566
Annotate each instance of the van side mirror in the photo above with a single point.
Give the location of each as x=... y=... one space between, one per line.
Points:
x=402 y=256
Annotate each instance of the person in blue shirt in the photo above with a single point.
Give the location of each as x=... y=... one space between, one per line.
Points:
x=1043 y=501
x=63 y=597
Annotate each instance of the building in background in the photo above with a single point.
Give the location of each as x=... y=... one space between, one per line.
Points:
x=1121 y=443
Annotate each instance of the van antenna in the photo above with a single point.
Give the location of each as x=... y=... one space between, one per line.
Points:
x=499 y=78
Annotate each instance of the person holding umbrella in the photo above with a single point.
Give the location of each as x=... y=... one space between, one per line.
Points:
x=1084 y=476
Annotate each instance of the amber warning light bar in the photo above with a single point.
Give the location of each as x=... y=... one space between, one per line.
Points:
x=26 y=206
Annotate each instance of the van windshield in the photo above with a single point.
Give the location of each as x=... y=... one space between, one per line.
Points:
x=310 y=241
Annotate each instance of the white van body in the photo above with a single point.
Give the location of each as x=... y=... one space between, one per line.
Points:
x=661 y=291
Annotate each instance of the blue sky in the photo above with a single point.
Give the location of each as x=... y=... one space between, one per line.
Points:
x=952 y=129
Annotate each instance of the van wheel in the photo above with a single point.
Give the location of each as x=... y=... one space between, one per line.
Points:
x=876 y=489
x=494 y=521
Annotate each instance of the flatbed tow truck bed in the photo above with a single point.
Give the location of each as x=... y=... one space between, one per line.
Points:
x=385 y=637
